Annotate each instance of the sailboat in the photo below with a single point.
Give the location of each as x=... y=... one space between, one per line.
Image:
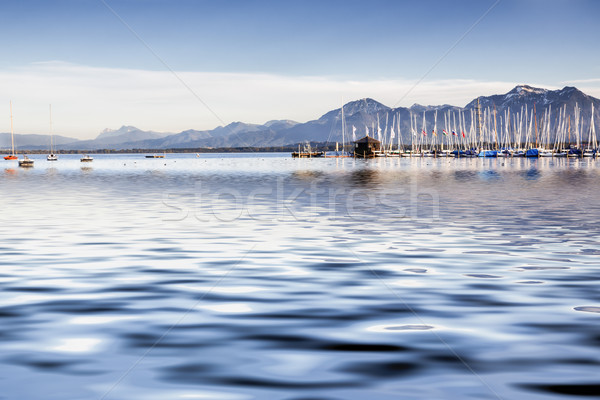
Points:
x=51 y=156
x=591 y=150
x=12 y=156
x=338 y=153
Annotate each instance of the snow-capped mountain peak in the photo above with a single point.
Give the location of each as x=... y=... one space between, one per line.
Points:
x=116 y=132
x=526 y=89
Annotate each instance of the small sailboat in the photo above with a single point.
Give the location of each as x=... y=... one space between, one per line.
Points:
x=86 y=158
x=574 y=152
x=12 y=156
x=504 y=152
x=592 y=149
x=51 y=156
x=560 y=154
x=26 y=162
x=588 y=152
x=343 y=152
x=544 y=153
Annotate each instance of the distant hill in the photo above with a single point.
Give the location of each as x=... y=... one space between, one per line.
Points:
x=32 y=141
x=361 y=116
x=110 y=138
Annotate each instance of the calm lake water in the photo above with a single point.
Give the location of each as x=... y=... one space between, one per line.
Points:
x=259 y=276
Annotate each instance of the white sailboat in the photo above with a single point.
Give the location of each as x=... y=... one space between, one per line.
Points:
x=51 y=156
x=590 y=151
x=343 y=152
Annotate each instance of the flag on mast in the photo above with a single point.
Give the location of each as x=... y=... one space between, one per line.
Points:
x=444 y=132
x=424 y=133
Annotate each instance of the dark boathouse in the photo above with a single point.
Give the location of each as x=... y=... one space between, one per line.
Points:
x=367 y=147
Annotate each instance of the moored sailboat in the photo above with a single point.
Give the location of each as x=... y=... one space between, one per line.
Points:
x=592 y=145
x=544 y=153
x=343 y=153
x=11 y=156
x=51 y=156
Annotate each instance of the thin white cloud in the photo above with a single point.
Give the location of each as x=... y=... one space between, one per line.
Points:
x=579 y=81
x=85 y=99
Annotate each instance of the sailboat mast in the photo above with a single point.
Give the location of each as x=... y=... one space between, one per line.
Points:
x=434 y=132
x=387 y=115
x=343 y=129
x=12 y=136
x=535 y=121
x=569 y=131
x=399 y=134
x=479 y=133
x=592 y=130
x=425 y=133
x=51 y=133
x=495 y=130
x=392 y=132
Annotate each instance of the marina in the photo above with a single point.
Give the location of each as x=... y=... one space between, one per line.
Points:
x=474 y=132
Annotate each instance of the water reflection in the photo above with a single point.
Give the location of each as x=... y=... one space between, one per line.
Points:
x=532 y=174
x=364 y=177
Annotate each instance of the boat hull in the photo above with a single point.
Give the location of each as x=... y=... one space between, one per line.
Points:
x=307 y=154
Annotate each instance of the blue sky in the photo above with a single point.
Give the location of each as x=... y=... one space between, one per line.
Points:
x=259 y=60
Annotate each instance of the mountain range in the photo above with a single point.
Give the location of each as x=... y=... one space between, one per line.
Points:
x=361 y=116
